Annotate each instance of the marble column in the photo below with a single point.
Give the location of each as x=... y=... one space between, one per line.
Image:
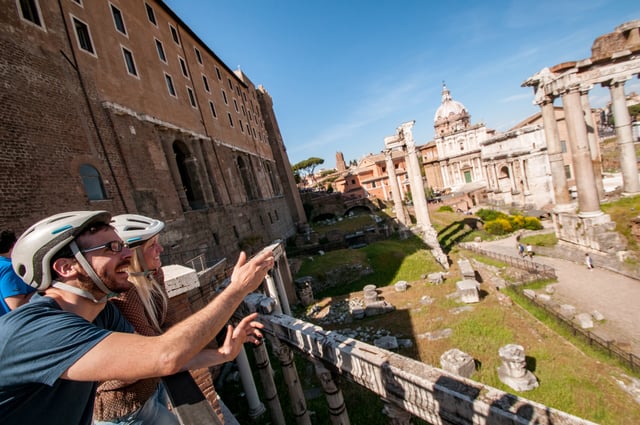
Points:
x=628 y=161
x=588 y=202
x=514 y=188
x=554 y=149
x=415 y=177
x=263 y=364
x=256 y=408
x=594 y=147
x=395 y=188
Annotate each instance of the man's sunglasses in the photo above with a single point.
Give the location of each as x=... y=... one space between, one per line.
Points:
x=113 y=246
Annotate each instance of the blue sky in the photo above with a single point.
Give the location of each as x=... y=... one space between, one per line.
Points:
x=345 y=74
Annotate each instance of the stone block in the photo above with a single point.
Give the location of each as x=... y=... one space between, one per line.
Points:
x=529 y=293
x=568 y=310
x=468 y=291
x=545 y=298
x=401 y=286
x=386 y=342
x=584 y=320
x=435 y=278
x=458 y=362
x=179 y=279
x=466 y=270
x=597 y=316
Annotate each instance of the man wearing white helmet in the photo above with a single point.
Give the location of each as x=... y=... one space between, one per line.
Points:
x=54 y=349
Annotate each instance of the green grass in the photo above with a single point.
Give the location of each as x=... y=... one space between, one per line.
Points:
x=622 y=212
x=544 y=239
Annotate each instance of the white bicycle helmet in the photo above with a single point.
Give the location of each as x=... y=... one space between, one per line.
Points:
x=135 y=229
x=34 y=249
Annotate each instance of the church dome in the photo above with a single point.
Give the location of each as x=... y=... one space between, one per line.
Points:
x=451 y=116
x=449 y=106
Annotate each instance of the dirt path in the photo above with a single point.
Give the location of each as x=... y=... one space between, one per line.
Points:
x=615 y=296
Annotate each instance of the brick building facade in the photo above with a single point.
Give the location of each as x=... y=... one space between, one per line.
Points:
x=118 y=105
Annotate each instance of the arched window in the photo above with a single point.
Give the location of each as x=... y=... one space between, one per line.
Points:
x=92 y=183
x=189 y=175
x=245 y=175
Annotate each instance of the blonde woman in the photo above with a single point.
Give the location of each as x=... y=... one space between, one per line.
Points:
x=145 y=306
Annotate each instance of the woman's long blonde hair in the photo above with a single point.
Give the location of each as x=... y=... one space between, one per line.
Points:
x=147 y=287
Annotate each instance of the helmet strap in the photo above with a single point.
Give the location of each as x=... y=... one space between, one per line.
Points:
x=92 y=274
x=81 y=292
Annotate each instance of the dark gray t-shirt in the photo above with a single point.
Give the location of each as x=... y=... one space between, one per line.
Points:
x=38 y=343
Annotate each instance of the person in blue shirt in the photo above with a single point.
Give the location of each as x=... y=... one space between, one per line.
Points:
x=54 y=349
x=13 y=291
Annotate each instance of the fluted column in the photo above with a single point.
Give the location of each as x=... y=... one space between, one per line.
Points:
x=395 y=188
x=290 y=374
x=628 y=161
x=594 y=147
x=554 y=149
x=588 y=201
x=263 y=365
x=337 y=409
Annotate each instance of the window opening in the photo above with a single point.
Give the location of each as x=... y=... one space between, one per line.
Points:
x=92 y=182
x=118 y=19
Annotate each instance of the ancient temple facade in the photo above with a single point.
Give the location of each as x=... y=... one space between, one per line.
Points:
x=614 y=60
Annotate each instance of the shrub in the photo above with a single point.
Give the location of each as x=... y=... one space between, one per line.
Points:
x=445 y=208
x=490 y=215
x=517 y=221
x=532 y=223
x=499 y=226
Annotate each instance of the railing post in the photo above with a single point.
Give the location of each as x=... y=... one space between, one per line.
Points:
x=268 y=384
x=396 y=415
x=335 y=400
x=290 y=374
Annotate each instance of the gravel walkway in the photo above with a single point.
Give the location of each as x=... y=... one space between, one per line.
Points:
x=615 y=296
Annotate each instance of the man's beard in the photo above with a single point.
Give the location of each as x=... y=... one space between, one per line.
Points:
x=111 y=282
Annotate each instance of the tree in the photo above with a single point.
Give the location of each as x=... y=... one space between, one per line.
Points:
x=306 y=168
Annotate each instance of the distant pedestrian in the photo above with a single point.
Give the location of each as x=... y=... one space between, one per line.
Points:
x=588 y=261
x=529 y=251
x=521 y=249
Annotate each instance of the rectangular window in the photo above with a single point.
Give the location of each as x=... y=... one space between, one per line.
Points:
x=160 y=49
x=230 y=119
x=118 y=20
x=169 y=80
x=205 y=82
x=224 y=96
x=83 y=36
x=213 y=109
x=230 y=84
x=198 y=57
x=241 y=126
x=30 y=11
x=192 y=98
x=563 y=146
x=567 y=171
x=218 y=73
x=151 y=14
x=128 y=59
x=183 y=67
x=235 y=104
x=174 y=34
